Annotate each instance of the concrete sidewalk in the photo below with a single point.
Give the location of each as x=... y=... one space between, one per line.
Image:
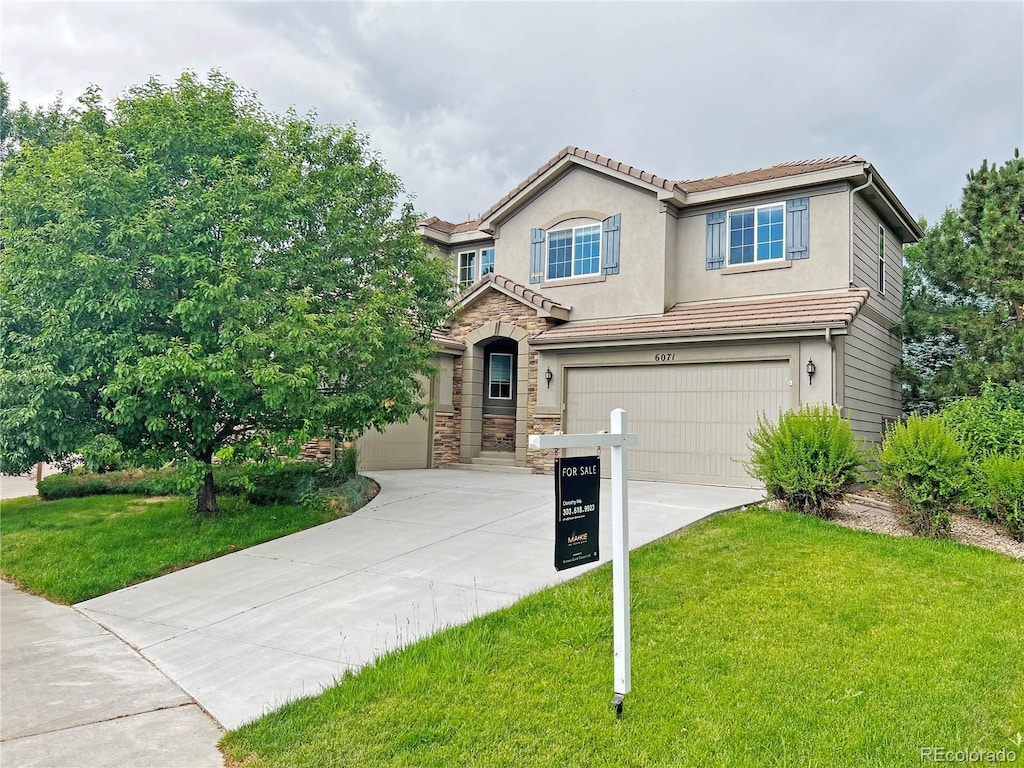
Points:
x=249 y=631
x=76 y=695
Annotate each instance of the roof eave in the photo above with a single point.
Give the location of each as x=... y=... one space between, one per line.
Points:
x=767 y=186
x=912 y=231
x=838 y=327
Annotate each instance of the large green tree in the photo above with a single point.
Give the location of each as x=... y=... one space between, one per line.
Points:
x=963 y=312
x=195 y=277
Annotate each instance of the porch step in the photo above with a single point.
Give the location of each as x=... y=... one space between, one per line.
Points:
x=508 y=460
x=508 y=469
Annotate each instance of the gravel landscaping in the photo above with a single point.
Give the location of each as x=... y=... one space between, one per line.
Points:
x=868 y=512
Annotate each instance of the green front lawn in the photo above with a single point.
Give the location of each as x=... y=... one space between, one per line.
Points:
x=759 y=639
x=72 y=549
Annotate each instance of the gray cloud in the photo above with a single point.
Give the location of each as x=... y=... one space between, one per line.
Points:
x=466 y=99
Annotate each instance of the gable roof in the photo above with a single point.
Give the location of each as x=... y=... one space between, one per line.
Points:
x=771 y=314
x=675 y=191
x=544 y=306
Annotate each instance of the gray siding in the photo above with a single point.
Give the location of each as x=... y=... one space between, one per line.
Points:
x=871 y=391
x=865 y=260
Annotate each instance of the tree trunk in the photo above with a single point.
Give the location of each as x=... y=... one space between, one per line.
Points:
x=206 y=505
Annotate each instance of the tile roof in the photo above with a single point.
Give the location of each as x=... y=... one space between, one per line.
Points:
x=764 y=174
x=773 y=313
x=524 y=294
x=443 y=339
x=782 y=170
x=448 y=227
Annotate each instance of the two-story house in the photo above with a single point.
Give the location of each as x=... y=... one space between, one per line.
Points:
x=695 y=305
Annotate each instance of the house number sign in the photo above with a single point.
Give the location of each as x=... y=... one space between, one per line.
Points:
x=665 y=357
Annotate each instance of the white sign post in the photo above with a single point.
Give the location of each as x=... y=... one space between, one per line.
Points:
x=617 y=439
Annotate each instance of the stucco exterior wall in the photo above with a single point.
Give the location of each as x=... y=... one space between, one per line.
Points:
x=826 y=268
x=639 y=287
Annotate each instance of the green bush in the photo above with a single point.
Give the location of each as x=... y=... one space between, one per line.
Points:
x=925 y=473
x=1003 y=484
x=809 y=460
x=345 y=465
x=267 y=484
x=160 y=482
x=989 y=423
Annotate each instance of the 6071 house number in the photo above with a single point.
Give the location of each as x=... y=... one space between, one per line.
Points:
x=665 y=357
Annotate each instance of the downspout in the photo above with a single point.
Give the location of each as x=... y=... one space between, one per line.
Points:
x=832 y=367
x=854 y=191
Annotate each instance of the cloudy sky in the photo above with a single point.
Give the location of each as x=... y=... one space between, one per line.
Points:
x=466 y=99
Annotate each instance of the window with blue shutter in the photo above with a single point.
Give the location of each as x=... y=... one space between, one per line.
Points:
x=758 y=234
x=610 y=244
x=715 y=245
x=798 y=228
x=537 y=237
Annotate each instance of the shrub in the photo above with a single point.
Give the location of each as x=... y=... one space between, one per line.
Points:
x=989 y=423
x=1003 y=491
x=344 y=466
x=809 y=460
x=136 y=481
x=267 y=484
x=925 y=473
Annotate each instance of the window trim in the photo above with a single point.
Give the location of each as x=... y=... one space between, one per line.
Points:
x=728 y=234
x=483 y=256
x=472 y=267
x=881 y=260
x=490 y=376
x=573 y=275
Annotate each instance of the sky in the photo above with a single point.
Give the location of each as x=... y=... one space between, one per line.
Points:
x=465 y=99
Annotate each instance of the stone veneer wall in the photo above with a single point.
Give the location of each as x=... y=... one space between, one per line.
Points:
x=495 y=307
x=499 y=433
x=448 y=426
x=317 y=450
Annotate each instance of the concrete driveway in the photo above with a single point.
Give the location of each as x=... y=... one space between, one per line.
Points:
x=249 y=631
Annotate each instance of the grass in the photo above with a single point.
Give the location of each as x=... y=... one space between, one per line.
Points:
x=73 y=549
x=759 y=639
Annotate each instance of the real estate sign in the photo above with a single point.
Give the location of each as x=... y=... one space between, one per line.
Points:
x=577 y=498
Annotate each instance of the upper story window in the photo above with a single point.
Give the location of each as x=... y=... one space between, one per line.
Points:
x=881 y=259
x=467 y=269
x=757 y=234
x=486 y=261
x=573 y=252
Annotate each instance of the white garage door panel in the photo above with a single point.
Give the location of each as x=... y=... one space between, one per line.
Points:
x=693 y=420
x=400 y=446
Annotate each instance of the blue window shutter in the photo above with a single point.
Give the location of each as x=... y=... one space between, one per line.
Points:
x=610 y=244
x=715 y=245
x=537 y=255
x=798 y=228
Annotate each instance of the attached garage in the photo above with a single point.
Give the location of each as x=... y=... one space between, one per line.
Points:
x=693 y=419
x=400 y=446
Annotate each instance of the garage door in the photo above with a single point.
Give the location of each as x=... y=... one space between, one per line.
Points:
x=693 y=420
x=400 y=446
